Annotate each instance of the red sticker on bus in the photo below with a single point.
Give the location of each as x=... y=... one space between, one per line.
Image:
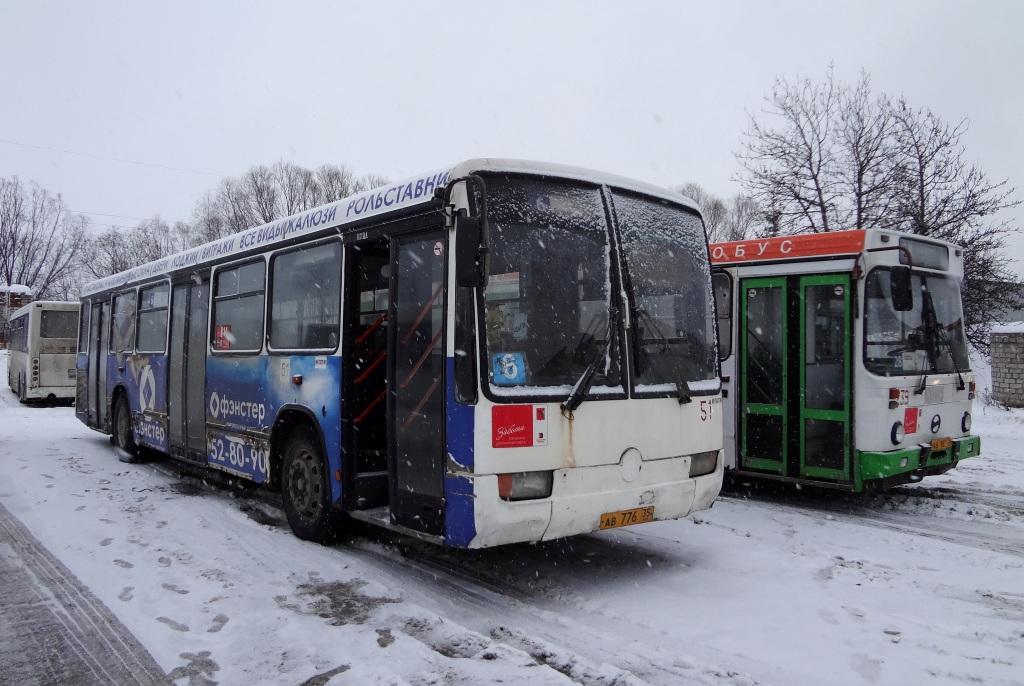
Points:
x=512 y=426
x=910 y=420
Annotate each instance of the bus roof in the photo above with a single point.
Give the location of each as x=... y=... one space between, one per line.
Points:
x=49 y=304
x=333 y=217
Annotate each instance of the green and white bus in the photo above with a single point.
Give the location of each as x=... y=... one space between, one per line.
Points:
x=844 y=359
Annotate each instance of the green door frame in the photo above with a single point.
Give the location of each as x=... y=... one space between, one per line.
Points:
x=842 y=416
x=779 y=410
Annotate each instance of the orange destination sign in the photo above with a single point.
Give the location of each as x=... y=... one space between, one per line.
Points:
x=801 y=246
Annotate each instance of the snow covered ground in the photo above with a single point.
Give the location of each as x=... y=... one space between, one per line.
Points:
x=923 y=585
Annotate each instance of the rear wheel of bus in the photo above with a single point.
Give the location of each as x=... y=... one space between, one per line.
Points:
x=305 y=488
x=124 y=437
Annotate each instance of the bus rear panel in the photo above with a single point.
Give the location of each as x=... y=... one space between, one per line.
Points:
x=41 y=362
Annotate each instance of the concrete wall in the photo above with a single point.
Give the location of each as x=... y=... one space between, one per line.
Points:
x=1008 y=368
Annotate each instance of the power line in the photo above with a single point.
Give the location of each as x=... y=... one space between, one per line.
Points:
x=111 y=159
x=104 y=214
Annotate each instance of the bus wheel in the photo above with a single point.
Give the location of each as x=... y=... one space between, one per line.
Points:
x=305 y=488
x=124 y=437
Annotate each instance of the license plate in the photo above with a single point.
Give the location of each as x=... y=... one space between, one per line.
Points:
x=942 y=443
x=638 y=515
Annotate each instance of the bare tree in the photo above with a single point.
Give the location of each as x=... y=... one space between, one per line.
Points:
x=745 y=218
x=864 y=133
x=711 y=207
x=793 y=168
x=39 y=240
x=837 y=156
x=730 y=220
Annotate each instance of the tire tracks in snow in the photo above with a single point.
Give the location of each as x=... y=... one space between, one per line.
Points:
x=585 y=646
x=972 y=532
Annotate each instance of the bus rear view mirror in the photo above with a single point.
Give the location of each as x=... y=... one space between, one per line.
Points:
x=468 y=262
x=901 y=291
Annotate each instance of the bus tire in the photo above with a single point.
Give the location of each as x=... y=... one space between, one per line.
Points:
x=124 y=435
x=305 y=488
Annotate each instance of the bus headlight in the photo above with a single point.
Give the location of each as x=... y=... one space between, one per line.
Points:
x=897 y=434
x=965 y=423
x=525 y=485
x=703 y=463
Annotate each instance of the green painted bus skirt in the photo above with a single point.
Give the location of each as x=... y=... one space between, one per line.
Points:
x=874 y=466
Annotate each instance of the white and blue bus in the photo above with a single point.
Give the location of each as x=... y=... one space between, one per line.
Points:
x=497 y=352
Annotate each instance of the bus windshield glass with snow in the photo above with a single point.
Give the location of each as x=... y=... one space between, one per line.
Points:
x=498 y=352
x=41 y=361
x=844 y=358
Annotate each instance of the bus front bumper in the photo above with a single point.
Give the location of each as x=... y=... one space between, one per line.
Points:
x=900 y=466
x=580 y=495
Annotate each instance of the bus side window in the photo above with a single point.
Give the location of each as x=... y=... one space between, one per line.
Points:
x=122 y=323
x=83 y=327
x=722 y=285
x=153 y=318
x=305 y=298
x=238 y=308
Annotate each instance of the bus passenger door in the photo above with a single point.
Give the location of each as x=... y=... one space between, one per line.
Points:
x=825 y=377
x=98 y=364
x=187 y=383
x=763 y=377
x=416 y=381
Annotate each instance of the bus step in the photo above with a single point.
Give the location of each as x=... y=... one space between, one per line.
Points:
x=381 y=516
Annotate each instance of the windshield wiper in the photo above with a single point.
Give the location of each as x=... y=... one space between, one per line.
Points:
x=582 y=386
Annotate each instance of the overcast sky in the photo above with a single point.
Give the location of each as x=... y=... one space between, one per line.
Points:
x=657 y=91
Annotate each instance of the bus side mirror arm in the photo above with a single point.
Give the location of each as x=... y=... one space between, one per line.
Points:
x=471 y=237
x=469 y=250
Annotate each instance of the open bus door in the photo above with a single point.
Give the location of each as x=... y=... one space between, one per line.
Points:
x=394 y=378
x=98 y=331
x=416 y=379
x=795 y=383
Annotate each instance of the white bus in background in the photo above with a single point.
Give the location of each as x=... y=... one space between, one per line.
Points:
x=41 y=362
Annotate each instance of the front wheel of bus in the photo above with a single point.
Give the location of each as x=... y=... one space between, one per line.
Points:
x=306 y=489
x=123 y=434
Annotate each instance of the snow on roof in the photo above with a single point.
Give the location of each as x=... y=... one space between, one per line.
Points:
x=1010 y=327
x=418 y=190
x=16 y=289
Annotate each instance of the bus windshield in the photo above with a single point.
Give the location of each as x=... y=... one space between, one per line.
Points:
x=901 y=343
x=551 y=312
x=674 y=321
x=548 y=295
